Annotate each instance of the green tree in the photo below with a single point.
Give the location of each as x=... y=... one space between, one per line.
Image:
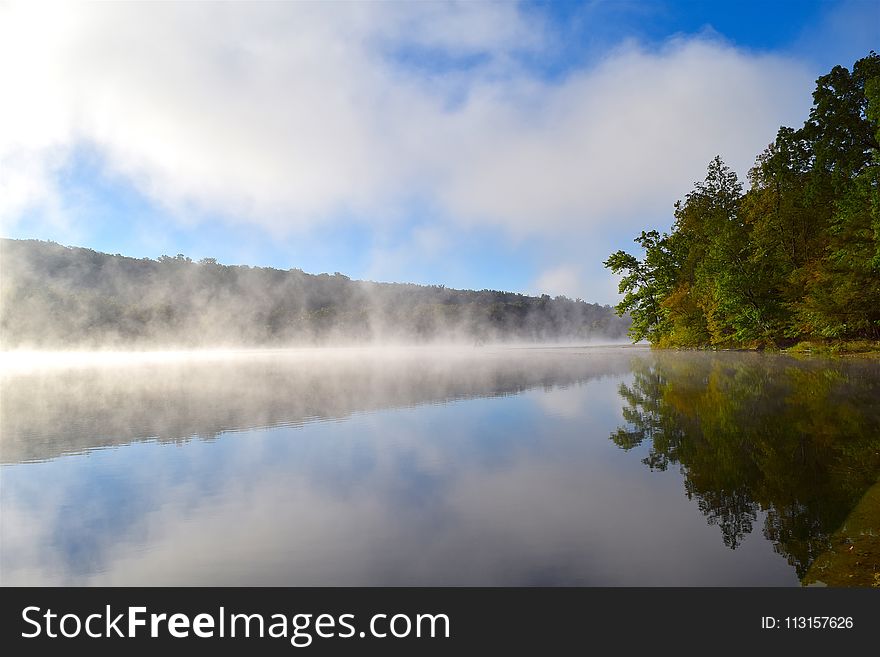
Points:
x=795 y=257
x=842 y=295
x=644 y=284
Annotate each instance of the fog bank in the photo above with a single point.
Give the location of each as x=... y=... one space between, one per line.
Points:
x=56 y=297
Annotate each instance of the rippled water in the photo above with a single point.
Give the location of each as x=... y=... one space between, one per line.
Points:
x=593 y=466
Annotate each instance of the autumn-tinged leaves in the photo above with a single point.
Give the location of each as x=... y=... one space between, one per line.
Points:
x=795 y=257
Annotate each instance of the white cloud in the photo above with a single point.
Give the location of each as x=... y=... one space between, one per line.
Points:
x=285 y=115
x=563 y=279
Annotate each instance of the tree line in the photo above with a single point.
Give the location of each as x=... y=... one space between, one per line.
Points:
x=794 y=258
x=56 y=296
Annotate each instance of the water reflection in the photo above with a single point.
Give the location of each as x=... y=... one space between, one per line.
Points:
x=480 y=467
x=50 y=412
x=797 y=440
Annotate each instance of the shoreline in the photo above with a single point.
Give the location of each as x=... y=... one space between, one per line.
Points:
x=841 y=348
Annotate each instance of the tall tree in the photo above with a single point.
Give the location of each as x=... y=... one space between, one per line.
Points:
x=797 y=256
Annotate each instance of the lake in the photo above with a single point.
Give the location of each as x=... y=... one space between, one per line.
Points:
x=595 y=466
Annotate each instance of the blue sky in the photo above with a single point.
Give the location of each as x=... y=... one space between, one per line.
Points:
x=478 y=145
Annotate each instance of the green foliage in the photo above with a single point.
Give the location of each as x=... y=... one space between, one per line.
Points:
x=643 y=283
x=796 y=257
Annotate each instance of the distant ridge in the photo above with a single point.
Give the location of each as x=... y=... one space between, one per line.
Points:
x=54 y=296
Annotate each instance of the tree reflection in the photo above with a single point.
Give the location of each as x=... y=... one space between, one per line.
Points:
x=52 y=412
x=799 y=440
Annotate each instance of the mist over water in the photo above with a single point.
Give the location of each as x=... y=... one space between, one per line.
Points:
x=60 y=298
x=209 y=420
x=117 y=397
x=579 y=466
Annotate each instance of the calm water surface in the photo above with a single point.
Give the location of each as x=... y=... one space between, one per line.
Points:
x=593 y=466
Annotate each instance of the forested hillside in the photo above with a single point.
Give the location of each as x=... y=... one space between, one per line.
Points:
x=56 y=296
x=796 y=257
